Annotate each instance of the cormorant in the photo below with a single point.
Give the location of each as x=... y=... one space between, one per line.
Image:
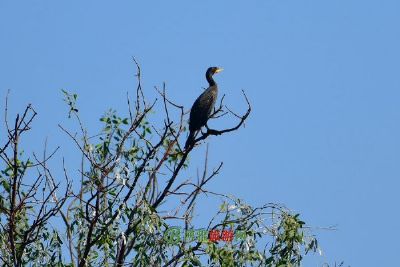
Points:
x=203 y=106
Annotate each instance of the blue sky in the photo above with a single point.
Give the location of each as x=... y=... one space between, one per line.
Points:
x=322 y=76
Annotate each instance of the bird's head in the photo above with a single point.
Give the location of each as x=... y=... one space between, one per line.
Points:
x=212 y=70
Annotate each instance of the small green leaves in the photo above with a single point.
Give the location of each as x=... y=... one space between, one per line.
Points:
x=5 y=185
x=70 y=99
x=125 y=121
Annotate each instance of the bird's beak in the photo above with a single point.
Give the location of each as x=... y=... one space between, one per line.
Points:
x=219 y=70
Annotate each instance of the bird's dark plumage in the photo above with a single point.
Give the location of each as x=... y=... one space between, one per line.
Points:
x=203 y=106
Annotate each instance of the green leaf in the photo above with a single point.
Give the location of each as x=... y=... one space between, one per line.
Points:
x=6 y=186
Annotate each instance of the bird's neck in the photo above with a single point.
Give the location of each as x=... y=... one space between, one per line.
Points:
x=210 y=80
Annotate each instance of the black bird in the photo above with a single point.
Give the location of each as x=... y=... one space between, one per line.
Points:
x=203 y=106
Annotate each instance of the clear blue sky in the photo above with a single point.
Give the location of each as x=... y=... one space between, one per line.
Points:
x=323 y=78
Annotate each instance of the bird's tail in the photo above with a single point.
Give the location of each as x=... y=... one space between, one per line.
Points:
x=190 y=139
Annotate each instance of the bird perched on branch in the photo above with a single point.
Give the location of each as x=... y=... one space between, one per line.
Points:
x=203 y=106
